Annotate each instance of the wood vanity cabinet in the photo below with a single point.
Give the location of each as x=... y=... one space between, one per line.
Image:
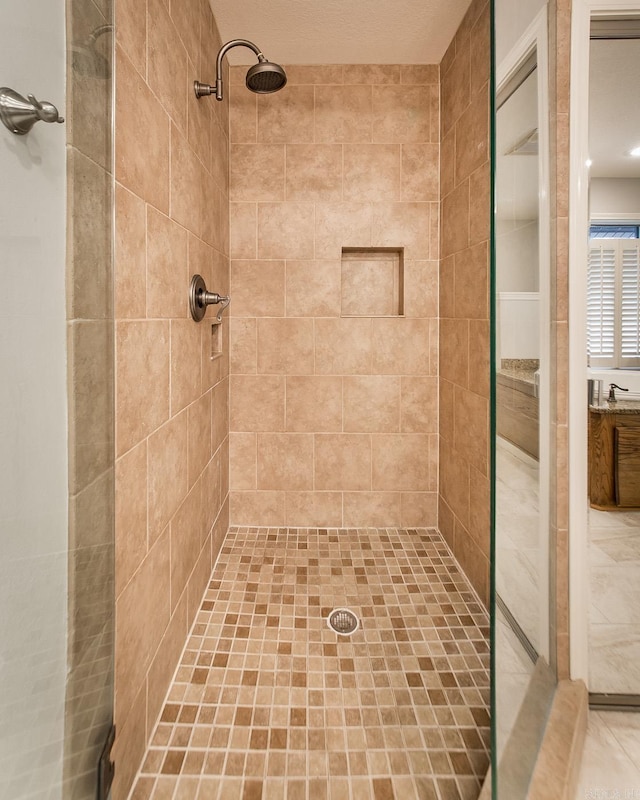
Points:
x=517 y=414
x=614 y=459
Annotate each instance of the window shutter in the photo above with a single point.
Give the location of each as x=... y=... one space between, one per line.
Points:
x=630 y=306
x=601 y=303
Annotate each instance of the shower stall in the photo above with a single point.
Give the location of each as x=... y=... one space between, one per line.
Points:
x=286 y=506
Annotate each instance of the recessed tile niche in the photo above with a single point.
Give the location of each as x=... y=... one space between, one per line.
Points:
x=372 y=282
x=216 y=340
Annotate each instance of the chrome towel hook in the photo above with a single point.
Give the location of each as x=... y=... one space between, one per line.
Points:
x=20 y=114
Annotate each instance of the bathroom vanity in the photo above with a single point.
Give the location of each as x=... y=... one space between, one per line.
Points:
x=517 y=403
x=614 y=455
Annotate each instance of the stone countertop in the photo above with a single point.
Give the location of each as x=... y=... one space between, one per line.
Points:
x=518 y=374
x=619 y=407
x=520 y=379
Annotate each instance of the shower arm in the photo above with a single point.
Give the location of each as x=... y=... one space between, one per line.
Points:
x=204 y=89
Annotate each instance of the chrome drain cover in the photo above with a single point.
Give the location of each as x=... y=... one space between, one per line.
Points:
x=343 y=621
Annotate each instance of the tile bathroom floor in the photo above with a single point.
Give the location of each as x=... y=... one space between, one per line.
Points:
x=610 y=767
x=268 y=702
x=614 y=614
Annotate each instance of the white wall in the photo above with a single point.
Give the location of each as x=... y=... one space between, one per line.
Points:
x=512 y=20
x=33 y=411
x=614 y=196
x=517 y=253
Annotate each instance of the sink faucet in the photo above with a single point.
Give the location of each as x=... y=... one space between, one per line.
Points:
x=612 y=393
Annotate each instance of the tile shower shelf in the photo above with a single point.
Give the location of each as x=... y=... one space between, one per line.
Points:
x=372 y=282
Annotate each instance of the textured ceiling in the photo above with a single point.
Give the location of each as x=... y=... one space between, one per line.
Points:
x=341 y=31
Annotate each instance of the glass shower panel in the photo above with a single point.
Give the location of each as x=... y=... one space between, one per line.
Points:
x=90 y=336
x=518 y=529
x=56 y=404
x=523 y=683
x=612 y=326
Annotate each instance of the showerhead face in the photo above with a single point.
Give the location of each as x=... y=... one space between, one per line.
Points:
x=88 y=63
x=265 y=77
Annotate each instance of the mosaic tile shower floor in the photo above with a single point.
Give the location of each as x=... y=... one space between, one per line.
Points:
x=268 y=702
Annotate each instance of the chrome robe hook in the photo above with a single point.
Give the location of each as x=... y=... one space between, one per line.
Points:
x=19 y=114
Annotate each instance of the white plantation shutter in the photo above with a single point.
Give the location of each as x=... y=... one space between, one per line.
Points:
x=630 y=306
x=613 y=303
x=601 y=302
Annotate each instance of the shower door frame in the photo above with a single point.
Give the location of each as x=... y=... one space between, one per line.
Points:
x=582 y=14
x=534 y=40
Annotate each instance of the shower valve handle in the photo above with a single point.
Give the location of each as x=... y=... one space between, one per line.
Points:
x=200 y=298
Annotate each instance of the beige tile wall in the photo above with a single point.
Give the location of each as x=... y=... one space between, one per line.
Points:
x=171 y=398
x=333 y=419
x=464 y=491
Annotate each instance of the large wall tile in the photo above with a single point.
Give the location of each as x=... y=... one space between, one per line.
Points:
x=142 y=349
x=131 y=513
x=342 y=462
x=135 y=643
x=286 y=116
x=317 y=509
x=199 y=436
x=243 y=454
x=313 y=404
x=243 y=345
x=339 y=225
x=185 y=374
x=244 y=230
x=257 y=508
x=257 y=403
x=419 y=405
x=130 y=255
x=285 y=230
x=285 y=346
x=166 y=267
x=343 y=346
x=400 y=462
x=138 y=109
x=257 y=172
x=371 y=404
x=343 y=113
x=257 y=288
x=131 y=32
x=314 y=172
x=402 y=225
x=402 y=114
x=312 y=288
x=390 y=353
x=167 y=62
x=420 y=173
x=371 y=509
x=372 y=172
x=285 y=461
x=168 y=473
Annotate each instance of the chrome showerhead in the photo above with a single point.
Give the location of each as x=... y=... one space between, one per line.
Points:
x=88 y=63
x=263 y=78
x=85 y=58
